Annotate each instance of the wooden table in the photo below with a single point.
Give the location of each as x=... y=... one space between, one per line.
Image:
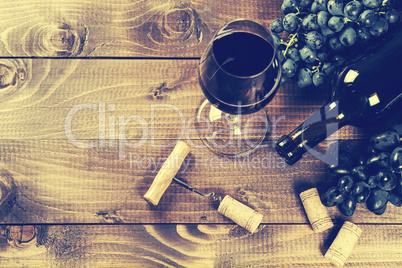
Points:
x=94 y=95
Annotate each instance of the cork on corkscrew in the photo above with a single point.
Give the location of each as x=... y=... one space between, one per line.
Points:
x=241 y=214
x=229 y=207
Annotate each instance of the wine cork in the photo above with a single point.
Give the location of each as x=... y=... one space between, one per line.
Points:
x=343 y=244
x=165 y=175
x=317 y=213
x=241 y=214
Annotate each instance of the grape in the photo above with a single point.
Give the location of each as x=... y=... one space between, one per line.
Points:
x=335 y=7
x=307 y=54
x=322 y=55
x=289 y=68
x=396 y=159
x=293 y=54
x=385 y=141
x=290 y=22
x=343 y=166
x=309 y=22
x=360 y=172
x=289 y=6
x=380 y=27
x=348 y=206
x=389 y=3
x=281 y=56
x=363 y=35
x=304 y=78
x=399 y=187
x=318 y=79
x=397 y=127
x=335 y=44
x=392 y=16
x=372 y=182
x=372 y=4
x=277 y=26
x=361 y=192
x=284 y=80
x=328 y=68
x=381 y=210
x=327 y=31
x=322 y=4
x=370 y=150
x=338 y=60
x=305 y=4
x=277 y=39
x=395 y=199
x=336 y=23
x=339 y=170
x=386 y=180
x=333 y=196
x=346 y=158
x=282 y=46
x=348 y=36
x=314 y=7
x=314 y=40
x=367 y=18
x=377 y=200
x=346 y=183
x=378 y=161
x=322 y=18
x=352 y=10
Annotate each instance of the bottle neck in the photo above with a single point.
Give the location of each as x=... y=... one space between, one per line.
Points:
x=314 y=130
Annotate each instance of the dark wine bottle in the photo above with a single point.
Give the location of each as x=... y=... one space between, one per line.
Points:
x=363 y=93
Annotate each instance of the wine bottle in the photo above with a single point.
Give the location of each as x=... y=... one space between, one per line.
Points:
x=363 y=93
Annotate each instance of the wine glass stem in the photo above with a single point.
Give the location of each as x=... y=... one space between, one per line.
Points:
x=234 y=123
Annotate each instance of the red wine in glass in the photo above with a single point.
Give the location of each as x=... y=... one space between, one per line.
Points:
x=239 y=74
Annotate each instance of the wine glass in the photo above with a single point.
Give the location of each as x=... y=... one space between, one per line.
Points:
x=239 y=74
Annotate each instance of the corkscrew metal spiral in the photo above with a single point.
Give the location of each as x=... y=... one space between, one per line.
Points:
x=185 y=185
x=228 y=206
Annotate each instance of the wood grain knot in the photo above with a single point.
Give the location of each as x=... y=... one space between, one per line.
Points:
x=161 y=92
x=109 y=217
x=57 y=40
x=16 y=235
x=13 y=74
x=8 y=193
x=177 y=21
x=176 y=25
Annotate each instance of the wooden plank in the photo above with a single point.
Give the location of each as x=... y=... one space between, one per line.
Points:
x=123 y=28
x=69 y=172
x=150 y=99
x=59 y=183
x=197 y=246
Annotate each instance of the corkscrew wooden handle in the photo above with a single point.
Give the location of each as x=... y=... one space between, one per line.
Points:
x=166 y=173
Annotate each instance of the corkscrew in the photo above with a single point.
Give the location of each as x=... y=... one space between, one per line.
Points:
x=241 y=214
x=185 y=185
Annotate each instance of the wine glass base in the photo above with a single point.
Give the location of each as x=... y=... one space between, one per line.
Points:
x=231 y=135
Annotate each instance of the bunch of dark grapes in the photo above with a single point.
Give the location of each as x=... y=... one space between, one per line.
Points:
x=322 y=35
x=374 y=179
